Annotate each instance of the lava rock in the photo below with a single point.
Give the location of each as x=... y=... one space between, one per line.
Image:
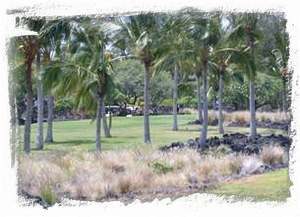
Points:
x=198 y=122
x=237 y=142
x=192 y=143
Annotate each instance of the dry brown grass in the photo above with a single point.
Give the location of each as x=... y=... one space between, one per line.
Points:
x=274 y=155
x=94 y=176
x=244 y=116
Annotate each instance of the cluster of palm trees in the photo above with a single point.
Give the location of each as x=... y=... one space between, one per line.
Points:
x=75 y=56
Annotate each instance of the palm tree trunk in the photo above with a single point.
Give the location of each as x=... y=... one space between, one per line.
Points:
x=50 y=105
x=98 y=123
x=29 y=96
x=284 y=96
x=199 y=99
x=12 y=104
x=203 y=135
x=110 y=121
x=110 y=118
x=175 y=96
x=106 y=129
x=252 y=108
x=220 y=116
x=13 y=118
x=147 y=139
x=40 y=103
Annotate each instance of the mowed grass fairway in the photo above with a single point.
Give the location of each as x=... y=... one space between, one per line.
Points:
x=127 y=132
x=269 y=186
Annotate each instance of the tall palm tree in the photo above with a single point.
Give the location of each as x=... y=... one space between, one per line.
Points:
x=28 y=45
x=199 y=96
x=54 y=35
x=191 y=66
x=219 y=63
x=172 y=53
x=36 y=24
x=222 y=55
x=204 y=34
x=138 y=36
x=40 y=104
x=12 y=52
x=85 y=75
x=247 y=33
x=280 y=61
x=17 y=69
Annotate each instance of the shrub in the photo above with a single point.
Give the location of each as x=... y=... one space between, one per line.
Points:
x=251 y=165
x=162 y=167
x=124 y=185
x=218 y=151
x=207 y=170
x=241 y=117
x=223 y=150
x=109 y=191
x=48 y=195
x=189 y=111
x=273 y=155
x=235 y=164
x=212 y=120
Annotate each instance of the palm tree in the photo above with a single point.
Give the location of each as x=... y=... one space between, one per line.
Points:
x=199 y=96
x=36 y=24
x=247 y=32
x=138 y=36
x=50 y=98
x=219 y=63
x=220 y=69
x=204 y=34
x=221 y=57
x=54 y=34
x=280 y=61
x=172 y=53
x=85 y=74
x=17 y=67
x=191 y=66
x=40 y=104
x=28 y=45
x=12 y=52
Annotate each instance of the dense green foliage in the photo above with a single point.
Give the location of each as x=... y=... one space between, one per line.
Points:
x=129 y=80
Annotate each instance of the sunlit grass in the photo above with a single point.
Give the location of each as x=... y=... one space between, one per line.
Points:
x=273 y=186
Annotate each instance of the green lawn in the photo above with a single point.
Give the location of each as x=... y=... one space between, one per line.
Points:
x=272 y=186
x=127 y=132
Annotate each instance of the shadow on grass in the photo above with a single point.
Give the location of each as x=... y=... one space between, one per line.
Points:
x=72 y=142
x=187 y=130
x=194 y=130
